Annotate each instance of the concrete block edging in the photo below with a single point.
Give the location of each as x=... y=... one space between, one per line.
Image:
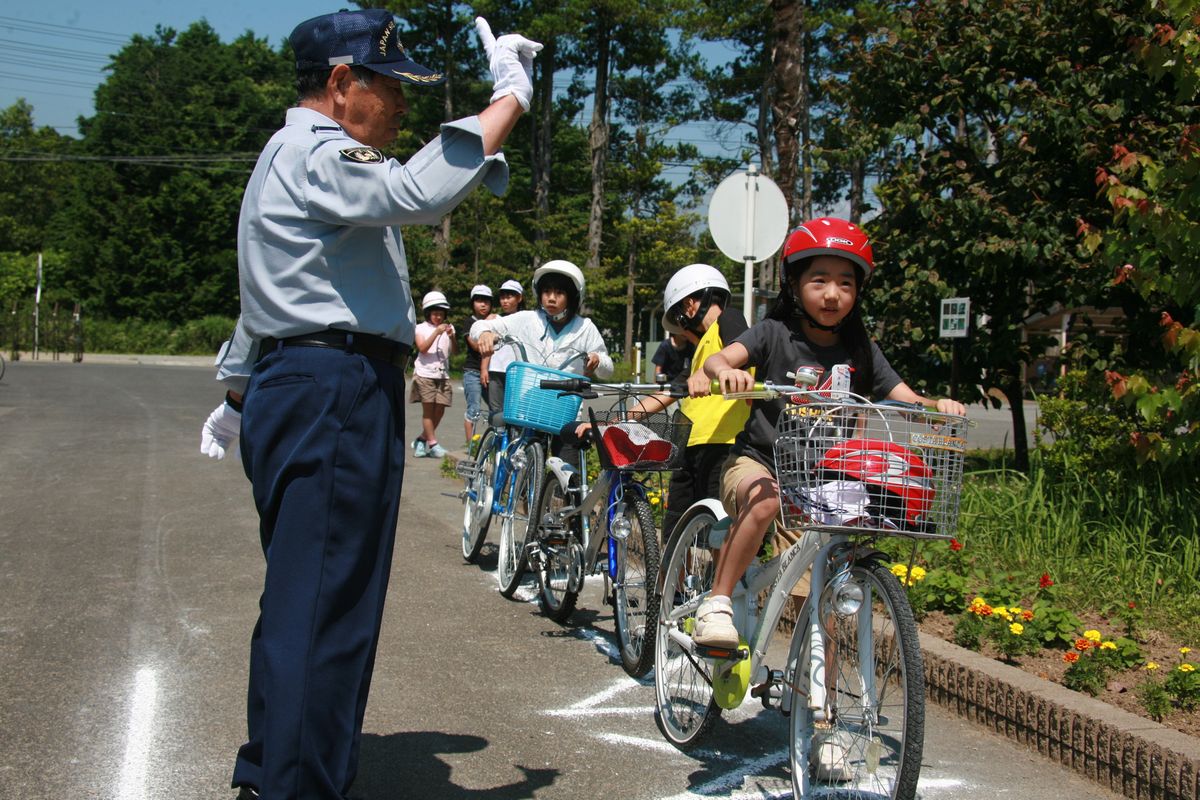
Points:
x=1129 y=755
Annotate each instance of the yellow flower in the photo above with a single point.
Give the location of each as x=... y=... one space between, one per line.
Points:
x=1001 y=610
x=899 y=570
x=654 y=501
x=1186 y=667
x=1014 y=609
x=977 y=602
x=476 y=437
x=1016 y=628
x=1150 y=665
x=918 y=573
x=1108 y=646
x=1092 y=636
x=1185 y=650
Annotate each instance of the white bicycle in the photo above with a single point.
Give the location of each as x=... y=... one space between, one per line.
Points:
x=852 y=682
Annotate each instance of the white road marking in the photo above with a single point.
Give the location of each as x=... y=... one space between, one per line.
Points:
x=141 y=731
x=727 y=784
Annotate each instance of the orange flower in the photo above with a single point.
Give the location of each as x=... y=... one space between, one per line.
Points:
x=1070 y=657
x=1027 y=615
x=1082 y=644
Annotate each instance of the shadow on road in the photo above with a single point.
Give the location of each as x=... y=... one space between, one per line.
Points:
x=402 y=765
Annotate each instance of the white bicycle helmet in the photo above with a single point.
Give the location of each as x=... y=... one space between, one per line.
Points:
x=683 y=284
x=513 y=286
x=479 y=290
x=561 y=267
x=434 y=300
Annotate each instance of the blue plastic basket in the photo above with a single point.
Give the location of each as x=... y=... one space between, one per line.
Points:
x=528 y=405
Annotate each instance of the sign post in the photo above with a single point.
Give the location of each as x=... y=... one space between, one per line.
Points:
x=748 y=219
x=953 y=323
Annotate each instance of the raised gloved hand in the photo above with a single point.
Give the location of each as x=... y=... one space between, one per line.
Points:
x=510 y=59
x=220 y=431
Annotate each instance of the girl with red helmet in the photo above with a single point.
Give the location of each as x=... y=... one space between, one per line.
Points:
x=815 y=323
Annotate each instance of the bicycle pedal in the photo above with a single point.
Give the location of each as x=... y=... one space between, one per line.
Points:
x=770 y=693
x=737 y=654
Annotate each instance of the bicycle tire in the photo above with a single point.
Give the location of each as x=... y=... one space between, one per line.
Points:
x=477 y=502
x=871 y=745
x=684 y=705
x=634 y=595
x=515 y=521
x=560 y=555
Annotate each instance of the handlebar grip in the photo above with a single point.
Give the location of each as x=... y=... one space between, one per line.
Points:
x=758 y=388
x=569 y=385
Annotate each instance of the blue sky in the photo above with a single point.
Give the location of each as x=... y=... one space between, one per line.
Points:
x=53 y=55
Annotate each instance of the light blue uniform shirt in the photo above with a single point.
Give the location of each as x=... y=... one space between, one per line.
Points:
x=319 y=242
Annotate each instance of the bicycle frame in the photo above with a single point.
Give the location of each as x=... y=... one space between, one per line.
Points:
x=817 y=549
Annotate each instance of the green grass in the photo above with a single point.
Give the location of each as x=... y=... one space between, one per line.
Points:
x=1104 y=545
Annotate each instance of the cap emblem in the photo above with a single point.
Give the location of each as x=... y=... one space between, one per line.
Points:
x=431 y=78
x=383 y=40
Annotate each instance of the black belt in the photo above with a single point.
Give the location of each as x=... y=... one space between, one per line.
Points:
x=366 y=344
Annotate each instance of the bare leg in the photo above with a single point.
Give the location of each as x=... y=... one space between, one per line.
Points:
x=758 y=504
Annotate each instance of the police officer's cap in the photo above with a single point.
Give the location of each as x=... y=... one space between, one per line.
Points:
x=368 y=38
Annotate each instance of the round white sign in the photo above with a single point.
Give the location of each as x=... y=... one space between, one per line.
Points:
x=748 y=216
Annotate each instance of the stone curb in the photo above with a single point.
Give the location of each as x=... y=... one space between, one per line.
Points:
x=1129 y=755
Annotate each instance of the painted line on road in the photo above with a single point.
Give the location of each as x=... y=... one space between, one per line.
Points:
x=141 y=731
x=726 y=785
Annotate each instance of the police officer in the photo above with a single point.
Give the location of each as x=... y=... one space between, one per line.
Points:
x=315 y=369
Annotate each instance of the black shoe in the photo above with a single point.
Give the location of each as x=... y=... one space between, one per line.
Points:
x=247 y=793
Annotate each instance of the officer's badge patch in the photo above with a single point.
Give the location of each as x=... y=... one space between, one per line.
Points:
x=363 y=155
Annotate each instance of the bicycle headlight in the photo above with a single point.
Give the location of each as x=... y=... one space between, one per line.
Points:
x=621 y=528
x=847 y=599
x=519 y=460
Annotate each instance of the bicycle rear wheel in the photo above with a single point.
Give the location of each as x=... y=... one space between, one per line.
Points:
x=515 y=527
x=477 y=502
x=635 y=601
x=560 y=553
x=684 y=706
x=869 y=744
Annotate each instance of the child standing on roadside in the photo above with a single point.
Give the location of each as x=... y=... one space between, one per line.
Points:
x=475 y=366
x=431 y=374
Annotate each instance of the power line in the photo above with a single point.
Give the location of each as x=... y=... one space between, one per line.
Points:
x=61 y=31
x=57 y=81
x=15 y=44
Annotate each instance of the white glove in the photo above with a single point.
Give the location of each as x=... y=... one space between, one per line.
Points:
x=510 y=58
x=220 y=431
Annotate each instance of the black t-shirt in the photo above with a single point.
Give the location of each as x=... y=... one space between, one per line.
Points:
x=775 y=350
x=473 y=359
x=670 y=360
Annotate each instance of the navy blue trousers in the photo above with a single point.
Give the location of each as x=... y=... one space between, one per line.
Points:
x=323 y=445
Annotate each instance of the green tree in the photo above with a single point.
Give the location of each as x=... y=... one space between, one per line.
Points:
x=151 y=225
x=1003 y=109
x=34 y=177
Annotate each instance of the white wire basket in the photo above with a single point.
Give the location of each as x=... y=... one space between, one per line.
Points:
x=862 y=468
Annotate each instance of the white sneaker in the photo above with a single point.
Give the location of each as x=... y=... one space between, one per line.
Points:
x=830 y=756
x=436 y=451
x=418 y=448
x=714 y=624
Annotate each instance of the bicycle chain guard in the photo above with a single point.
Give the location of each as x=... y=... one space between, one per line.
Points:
x=731 y=679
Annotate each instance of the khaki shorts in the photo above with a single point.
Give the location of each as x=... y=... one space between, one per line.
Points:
x=430 y=390
x=735 y=471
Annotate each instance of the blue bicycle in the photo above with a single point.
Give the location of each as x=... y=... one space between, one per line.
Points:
x=608 y=527
x=505 y=477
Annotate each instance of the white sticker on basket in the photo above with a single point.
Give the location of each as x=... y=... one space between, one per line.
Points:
x=939 y=442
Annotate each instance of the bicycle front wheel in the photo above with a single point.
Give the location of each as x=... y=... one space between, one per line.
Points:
x=684 y=706
x=866 y=742
x=515 y=522
x=635 y=601
x=560 y=553
x=477 y=502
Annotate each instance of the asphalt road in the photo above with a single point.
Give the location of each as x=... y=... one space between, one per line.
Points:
x=129 y=576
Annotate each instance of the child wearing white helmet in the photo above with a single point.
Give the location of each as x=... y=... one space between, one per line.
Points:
x=553 y=331
x=475 y=366
x=698 y=312
x=512 y=300
x=431 y=373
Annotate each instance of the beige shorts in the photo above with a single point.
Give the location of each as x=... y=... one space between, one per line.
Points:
x=738 y=469
x=430 y=390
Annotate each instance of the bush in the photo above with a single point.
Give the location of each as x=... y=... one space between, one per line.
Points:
x=197 y=337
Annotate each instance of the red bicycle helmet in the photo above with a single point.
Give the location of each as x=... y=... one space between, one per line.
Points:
x=828 y=236
x=898 y=480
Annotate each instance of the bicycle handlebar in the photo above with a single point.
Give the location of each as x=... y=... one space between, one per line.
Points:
x=582 y=385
